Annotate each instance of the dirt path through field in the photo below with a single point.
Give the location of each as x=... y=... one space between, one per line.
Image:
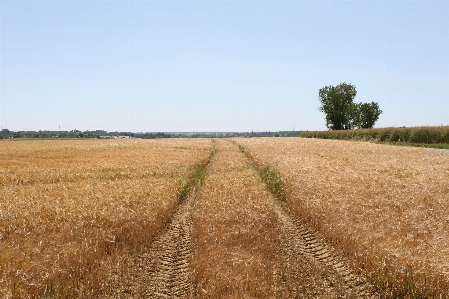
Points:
x=235 y=240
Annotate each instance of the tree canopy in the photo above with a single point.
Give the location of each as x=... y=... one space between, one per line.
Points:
x=341 y=113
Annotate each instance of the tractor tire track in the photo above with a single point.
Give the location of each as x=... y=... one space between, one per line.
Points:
x=171 y=277
x=163 y=269
x=302 y=250
x=300 y=242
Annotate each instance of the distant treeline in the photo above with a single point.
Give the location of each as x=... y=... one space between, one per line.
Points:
x=426 y=135
x=7 y=134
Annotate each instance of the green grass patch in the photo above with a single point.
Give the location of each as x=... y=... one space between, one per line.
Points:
x=196 y=176
x=268 y=174
x=426 y=145
x=272 y=180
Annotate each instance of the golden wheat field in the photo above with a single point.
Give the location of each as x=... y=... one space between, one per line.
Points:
x=195 y=218
x=66 y=205
x=387 y=206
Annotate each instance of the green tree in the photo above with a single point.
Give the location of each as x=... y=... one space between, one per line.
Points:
x=4 y=133
x=337 y=104
x=367 y=115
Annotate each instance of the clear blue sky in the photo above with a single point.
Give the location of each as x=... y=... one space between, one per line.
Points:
x=218 y=65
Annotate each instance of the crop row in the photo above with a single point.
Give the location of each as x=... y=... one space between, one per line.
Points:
x=426 y=135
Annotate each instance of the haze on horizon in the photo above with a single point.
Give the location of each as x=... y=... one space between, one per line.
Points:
x=177 y=66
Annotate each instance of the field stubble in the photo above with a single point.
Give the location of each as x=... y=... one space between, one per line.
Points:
x=67 y=205
x=385 y=206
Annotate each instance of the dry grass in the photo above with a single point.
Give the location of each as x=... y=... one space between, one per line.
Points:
x=67 y=205
x=235 y=231
x=386 y=206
